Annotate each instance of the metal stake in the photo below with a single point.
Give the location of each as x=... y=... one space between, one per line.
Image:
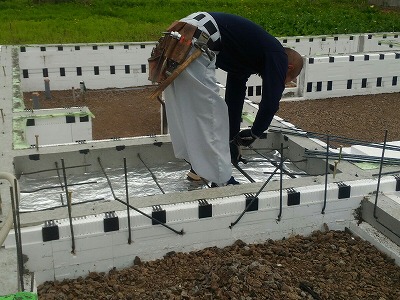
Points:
x=17 y=241
x=127 y=202
x=326 y=173
x=280 y=185
x=380 y=174
x=69 y=207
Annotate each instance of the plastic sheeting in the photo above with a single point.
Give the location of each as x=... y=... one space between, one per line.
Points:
x=47 y=193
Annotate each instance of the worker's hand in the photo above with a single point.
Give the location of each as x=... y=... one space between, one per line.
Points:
x=235 y=152
x=245 y=138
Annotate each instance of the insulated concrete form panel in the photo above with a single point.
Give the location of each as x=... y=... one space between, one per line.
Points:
x=377 y=152
x=358 y=74
x=7 y=82
x=342 y=43
x=97 y=251
x=98 y=65
x=54 y=129
x=152 y=151
x=125 y=65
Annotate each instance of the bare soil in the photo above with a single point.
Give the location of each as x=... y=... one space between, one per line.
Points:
x=129 y=112
x=326 y=265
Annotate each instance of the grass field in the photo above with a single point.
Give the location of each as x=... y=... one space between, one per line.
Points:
x=81 y=21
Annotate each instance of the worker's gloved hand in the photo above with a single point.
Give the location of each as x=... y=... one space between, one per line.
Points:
x=245 y=138
x=235 y=152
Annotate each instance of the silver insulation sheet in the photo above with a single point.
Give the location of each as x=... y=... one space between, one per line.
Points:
x=47 y=193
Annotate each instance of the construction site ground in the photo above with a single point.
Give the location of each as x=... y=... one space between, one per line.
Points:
x=325 y=265
x=128 y=112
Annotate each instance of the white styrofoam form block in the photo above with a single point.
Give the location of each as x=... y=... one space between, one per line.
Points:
x=44 y=275
x=376 y=238
x=341 y=43
x=96 y=250
x=62 y=133
x=61 y=245
x=53 y=128
x=74 y=271
x=87 y=58
x=364 y=75
x=29 y=235
x=310 y=194
x=227 y=206
x=40 y=256
x=374 y=151
x=181 y=211
x=124 y=261
x=365 y=187
x=88 y=225
x=66 y=258
x=164 y=242
x=394 y=196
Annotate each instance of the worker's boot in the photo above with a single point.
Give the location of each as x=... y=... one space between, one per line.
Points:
x=192 y=176
x=231 y=181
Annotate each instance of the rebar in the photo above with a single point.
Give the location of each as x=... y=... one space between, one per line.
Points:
x=273 y=162
x=380 y=174
x=64 y=205
x=69 y=207
x=132 y=207
x=352 y=157
x=326 y=173
x=344 y=140
x=106 y=176
x=253 y=199
x=18 y=220
x=53 y=169
x=151 y=173
x=57 y=186
x=244 y=173
x=280 y=185
x=18 y=243
x=59 y=177
x=127 y=202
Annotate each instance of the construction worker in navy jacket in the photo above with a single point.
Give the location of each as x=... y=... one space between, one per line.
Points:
x=204 y=129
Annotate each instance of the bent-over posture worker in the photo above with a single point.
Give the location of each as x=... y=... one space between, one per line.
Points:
x=205 y=129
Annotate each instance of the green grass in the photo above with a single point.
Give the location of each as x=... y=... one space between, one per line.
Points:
x=87 y=21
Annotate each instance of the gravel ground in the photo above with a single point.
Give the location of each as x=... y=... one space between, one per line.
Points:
x=325 y=265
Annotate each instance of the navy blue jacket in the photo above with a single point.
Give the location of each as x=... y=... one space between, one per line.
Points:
x=246 y=49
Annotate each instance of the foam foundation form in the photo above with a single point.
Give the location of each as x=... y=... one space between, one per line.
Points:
x=101 y=241
x=203 y=215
